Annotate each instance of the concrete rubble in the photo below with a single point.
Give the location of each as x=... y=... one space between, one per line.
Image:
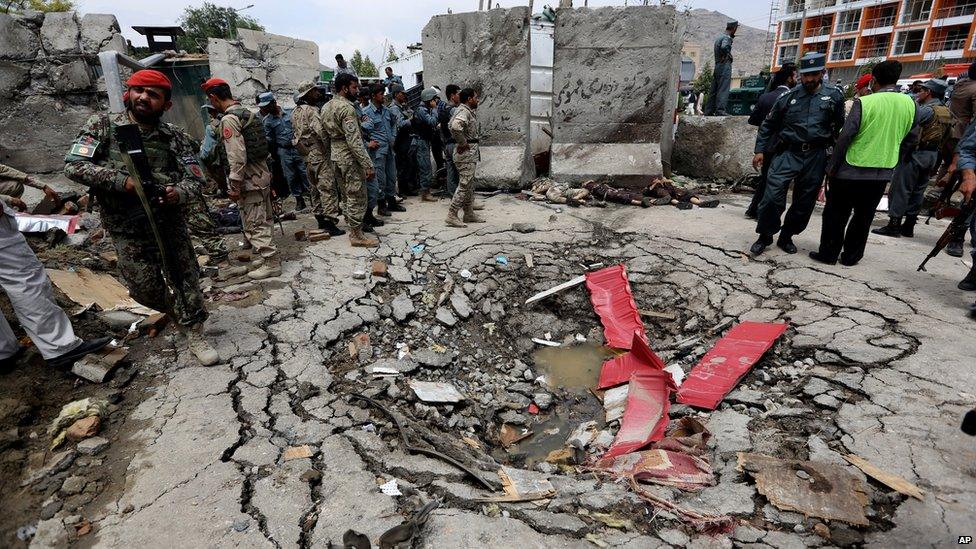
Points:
x=714 y=147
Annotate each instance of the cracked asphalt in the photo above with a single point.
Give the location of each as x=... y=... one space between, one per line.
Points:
x=878 y=362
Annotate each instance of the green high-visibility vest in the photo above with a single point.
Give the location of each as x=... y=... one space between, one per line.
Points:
x=886 y=118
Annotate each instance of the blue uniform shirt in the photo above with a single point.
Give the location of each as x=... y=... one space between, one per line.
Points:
x=379 y=124
x=967 y=149
x=799 y=117
x=278 y=129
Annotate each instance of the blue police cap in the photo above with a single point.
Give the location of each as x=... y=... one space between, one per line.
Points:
x=812 y=62
x=265 y=99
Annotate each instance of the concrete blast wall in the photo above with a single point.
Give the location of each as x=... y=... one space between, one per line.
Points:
x=714 y=147
x=488 y=51
x=48 y=83
x=615 y=75
x=259 y=61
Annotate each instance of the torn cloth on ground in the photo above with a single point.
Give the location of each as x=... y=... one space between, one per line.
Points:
x=646 y=415
x=727 y=362
x=824 y=490
x=618 y=370
x=613 y=300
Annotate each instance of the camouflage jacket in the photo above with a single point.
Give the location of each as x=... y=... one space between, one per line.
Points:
x=465 y=130
x=95 y=160
x=341 y=124
x=310 y=137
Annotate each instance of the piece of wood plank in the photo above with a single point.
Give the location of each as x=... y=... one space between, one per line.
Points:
x=556 y=289
x=890 y=480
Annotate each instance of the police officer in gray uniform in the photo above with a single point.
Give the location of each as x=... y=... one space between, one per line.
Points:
x=807 y=119
x=718 y=95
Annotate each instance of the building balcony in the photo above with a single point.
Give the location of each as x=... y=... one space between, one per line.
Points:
x=879 y=22
x=818 y=31
x=947 y=44
x=874 y=52
x=842 y=55
x=959 y=10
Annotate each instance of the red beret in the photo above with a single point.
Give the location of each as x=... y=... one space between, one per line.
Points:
x=211 y=83
x=150 y=79
x=863 y=81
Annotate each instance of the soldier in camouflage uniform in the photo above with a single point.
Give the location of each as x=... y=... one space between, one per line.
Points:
x=12 y=182
x=96 y=161
x=464 y=129
x=314 y=146
x=249 y=183
x=351 y=163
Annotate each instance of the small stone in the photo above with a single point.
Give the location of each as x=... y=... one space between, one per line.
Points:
x=673 y=536
x=241 y=525
x=73 y=485
x=802 y=474
x=523 y=227
x=359 y=274
x=445 y=317
x=83 y=428
x=747 y=534
x=378 y=268
x=461 y=305
x=527 y=375
x=827 y=401
x=542 y=400
x=400 y=274
x=402 y=307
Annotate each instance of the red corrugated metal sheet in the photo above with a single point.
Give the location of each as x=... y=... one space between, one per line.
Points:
x=725 y=364
x=614 y=302
x=618 y=370
x=646 y=415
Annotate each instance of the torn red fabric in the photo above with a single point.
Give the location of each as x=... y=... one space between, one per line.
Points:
x=618 y=370
x=664 y=467
x=646 y=415
x=612 y=299
x=727 y=362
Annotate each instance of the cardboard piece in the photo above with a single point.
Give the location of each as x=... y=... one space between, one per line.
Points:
x=85 y=287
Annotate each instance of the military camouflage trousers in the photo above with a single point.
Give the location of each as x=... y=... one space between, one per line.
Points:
x=203 y=228
x=351 y=179
x=141 y=268
x=464 y=194
x=323 y=191
x=258 y=220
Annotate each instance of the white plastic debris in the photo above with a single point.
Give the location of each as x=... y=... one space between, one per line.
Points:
x=465 y=273
x=581 y=338
x=676 y=373
x=432 y=391
x=391 y=488
x=546 y=342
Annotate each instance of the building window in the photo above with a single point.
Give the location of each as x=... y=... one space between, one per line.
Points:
x=916 y=11
x=950 y=39
x=909 y=42
x=873 y=47
x=791 y=30
x=843 y=49
x=794 y=6
x=882 y=16
x=848 y=21
x=818 y=4
x=787 y=54
x=959 y=8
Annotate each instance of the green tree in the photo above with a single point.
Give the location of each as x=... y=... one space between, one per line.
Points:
x=363 y=65
x=704 y=81
x=212 y=21
x=391 y=55
x=17 y=6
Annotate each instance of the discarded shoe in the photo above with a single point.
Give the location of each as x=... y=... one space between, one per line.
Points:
x=786 y=244
x=270 y=269
x=204 y=352
x=86 y=347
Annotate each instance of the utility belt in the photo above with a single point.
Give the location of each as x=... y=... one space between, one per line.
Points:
x=793 y=147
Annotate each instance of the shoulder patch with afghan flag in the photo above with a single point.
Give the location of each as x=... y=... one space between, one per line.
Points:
x=86 y=150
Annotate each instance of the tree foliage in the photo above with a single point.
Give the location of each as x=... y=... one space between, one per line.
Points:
x=704 y=81
x=363 y=65
x=212 y=21
x=16 y=6
x=391 y=55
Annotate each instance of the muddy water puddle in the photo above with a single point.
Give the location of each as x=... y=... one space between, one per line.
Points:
x=571 y=372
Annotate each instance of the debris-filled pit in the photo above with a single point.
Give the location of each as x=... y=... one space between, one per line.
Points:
x=498 y=398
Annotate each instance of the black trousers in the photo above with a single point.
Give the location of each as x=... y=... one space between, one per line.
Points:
x=805 y=170
x=761 y=186
x=847 y=218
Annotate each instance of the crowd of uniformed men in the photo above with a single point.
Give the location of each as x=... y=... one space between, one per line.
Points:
x=352 y=152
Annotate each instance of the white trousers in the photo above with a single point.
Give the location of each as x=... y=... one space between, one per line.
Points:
x=23 y=279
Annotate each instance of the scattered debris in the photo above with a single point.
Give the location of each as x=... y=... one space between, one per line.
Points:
x=655 y=314
x=890 y=480
x=402 y=534
x=431 y=391
x=556 y=289
x=529 y=261
x=582 y=435
x=522 y=485
x=501 y=260
x=378 y=268
x=613 y=300
x=546 y=342
x=72 y=412
x=96 y=367
x=83 y=428
x=613 y=521
x=296 y=452
x=614 y=402
x=510 y=435
x=523 y=227
x=318 y=236
x=85 y=287
x=92 y=446
x=640 y=358
x=391 y=488
x=829 y=491
x=727 y=362
x=646 y=415
x=665 y=467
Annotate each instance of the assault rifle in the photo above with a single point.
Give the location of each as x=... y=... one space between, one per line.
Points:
x=955 y=231
x=943 y=206
x=148 y=190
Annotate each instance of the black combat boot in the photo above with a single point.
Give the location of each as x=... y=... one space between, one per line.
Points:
x=760 y=245
x=321 y=221
x=300 y=204
x=908 y=227
x=969 y=283
x=370 y=219
x=785 y=243
x=328 y=225
x=955 y=248
x=893 y=228
x=394 y=206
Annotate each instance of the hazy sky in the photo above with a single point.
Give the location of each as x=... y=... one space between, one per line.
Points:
x=344 y=25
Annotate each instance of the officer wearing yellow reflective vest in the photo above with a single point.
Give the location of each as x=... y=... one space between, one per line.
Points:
x=881 y=129
x=806 y=120
x=911 y=176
